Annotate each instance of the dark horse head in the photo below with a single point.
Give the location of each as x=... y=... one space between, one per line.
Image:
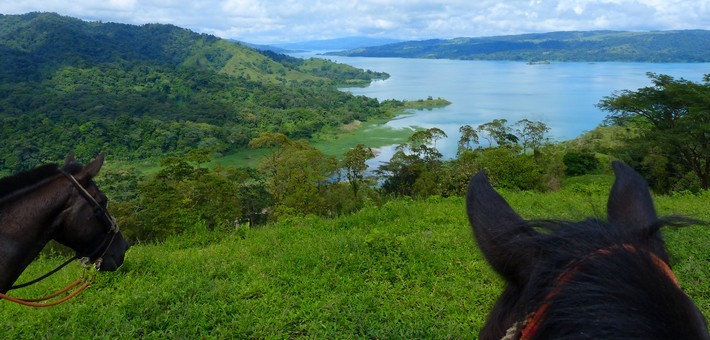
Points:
x=587 y=280
x=63 y=204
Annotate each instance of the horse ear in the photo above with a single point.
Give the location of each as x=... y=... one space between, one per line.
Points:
x=630 y=204
x=69 y=160
x=92 y=169
x=503 y=236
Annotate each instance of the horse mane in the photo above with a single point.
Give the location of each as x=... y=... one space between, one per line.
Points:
x=25 y=180
x=618 y=294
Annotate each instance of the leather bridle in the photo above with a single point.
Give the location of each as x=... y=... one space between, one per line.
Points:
x=101 y=212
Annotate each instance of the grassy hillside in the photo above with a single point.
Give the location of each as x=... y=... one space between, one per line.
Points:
x=662 y=46
x=408 y=269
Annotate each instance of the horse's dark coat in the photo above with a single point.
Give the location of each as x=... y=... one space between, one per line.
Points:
x=42 y=204
x=621 y=294
x=27 y=180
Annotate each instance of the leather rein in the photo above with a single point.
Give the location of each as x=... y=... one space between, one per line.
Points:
x=85 y=279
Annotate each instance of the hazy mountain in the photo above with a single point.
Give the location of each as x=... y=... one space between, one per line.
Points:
x=661 y=46
x=336 y=44
x=265 y=47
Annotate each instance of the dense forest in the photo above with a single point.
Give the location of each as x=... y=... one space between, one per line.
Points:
x=155 y=90
x=588 y=46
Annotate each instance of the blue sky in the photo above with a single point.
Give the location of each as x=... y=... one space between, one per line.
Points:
x=272 y=21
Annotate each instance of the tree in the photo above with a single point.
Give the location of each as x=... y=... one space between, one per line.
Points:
x=355 y=166
x=423 y=145
x=417 y=172
x=400 y=173
x=278 y=144
x=183 y=197
x=469 y=138
x=297 y=175
x=676 y=117
x=531 y=134
x=498 y=132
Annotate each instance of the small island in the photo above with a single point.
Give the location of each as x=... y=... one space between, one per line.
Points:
x=428 y=103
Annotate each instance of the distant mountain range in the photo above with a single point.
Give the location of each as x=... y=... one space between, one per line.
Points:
x=264 y=47
x=589 y=46
x=339 y=44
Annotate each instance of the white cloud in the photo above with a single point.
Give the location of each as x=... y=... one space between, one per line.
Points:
x=291 y=20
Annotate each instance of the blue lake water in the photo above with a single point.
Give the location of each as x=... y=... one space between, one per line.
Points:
x=562 y=95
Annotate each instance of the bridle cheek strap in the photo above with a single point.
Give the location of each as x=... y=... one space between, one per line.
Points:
x=535 y=319
x=98 y=209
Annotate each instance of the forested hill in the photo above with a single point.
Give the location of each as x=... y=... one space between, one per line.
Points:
x=154 y=90
x=36 y=45
x=662 y=46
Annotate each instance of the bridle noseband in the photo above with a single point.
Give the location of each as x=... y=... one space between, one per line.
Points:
x=100 y=212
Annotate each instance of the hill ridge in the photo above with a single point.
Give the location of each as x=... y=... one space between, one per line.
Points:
x=155 y=90
x=585 y=46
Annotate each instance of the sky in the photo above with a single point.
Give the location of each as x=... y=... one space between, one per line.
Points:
x=282 y=21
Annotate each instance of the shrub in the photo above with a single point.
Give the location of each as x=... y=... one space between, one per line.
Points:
x=579 y=163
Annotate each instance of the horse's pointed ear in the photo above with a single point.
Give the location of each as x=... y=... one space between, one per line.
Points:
x=630 y=204
x=503 y=236
x=69 y=159
x=92 y=169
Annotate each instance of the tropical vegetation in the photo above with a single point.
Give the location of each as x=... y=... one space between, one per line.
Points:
x=137 y=92
x=305 y=243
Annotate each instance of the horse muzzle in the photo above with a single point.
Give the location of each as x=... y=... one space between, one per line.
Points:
x=115 y=254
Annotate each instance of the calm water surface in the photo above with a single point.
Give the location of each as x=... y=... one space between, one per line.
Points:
x=562 y=95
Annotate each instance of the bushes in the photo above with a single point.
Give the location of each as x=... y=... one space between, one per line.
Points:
x=509 y=169
x=580 y=163
x=184 y=197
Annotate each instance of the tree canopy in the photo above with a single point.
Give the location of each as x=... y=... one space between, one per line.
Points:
x=149 y=91
x=673 y=117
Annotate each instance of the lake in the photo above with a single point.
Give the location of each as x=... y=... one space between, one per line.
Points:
x=562 y=95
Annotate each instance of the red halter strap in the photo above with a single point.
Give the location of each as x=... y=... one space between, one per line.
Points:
x=534 y=320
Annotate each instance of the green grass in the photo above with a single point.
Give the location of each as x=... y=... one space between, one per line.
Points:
x=242 y=158
x=408 y=269
x=372 y=134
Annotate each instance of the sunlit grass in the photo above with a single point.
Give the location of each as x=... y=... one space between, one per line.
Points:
x=407 y=269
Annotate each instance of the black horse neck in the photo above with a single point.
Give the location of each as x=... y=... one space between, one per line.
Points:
x=27 y=223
